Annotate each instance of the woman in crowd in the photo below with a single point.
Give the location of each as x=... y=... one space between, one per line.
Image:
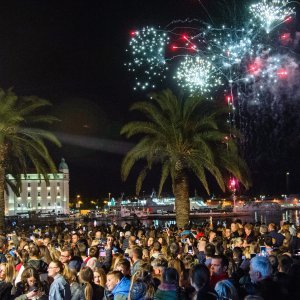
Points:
x=142 y=284
x=99 y=277
x=6 y=279
x=30 y=286
x=92 y=291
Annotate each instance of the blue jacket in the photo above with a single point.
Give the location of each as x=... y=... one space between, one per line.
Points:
x=60 y=289
x=121 y=290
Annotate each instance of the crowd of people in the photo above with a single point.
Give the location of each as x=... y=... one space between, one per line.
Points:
x=237 y=261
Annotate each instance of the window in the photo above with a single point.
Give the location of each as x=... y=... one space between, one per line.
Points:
x=28 y=194
x=58 y=184
x=28 y=184
x=39 y=204
x=49 y=194
x=39 y=194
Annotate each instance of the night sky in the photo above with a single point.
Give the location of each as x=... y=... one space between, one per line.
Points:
x=72 y=53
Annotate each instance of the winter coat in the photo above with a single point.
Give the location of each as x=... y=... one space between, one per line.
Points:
x=166 y=292
x=121 y=290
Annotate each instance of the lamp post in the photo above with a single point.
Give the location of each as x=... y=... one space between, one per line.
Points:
x=287 y=178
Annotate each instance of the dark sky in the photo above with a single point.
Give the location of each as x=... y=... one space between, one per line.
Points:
x=72 y=53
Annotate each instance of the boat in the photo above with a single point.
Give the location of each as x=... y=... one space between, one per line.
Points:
x=258 y=206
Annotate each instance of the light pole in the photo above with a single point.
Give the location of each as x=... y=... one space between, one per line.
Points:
x=287 y=175
x=232 y=186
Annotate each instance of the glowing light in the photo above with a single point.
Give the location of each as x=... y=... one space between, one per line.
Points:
x=147 y=47
x=197 y=75
x=271 y=13
x=282 y=73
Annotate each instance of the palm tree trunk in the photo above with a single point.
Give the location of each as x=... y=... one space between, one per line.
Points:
x=182 y=202
x=2 y=186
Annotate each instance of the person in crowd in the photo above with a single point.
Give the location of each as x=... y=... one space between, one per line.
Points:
x=136 y=257
x=77 y=290
x=218 y=269
x=117 y=286
x=226 y=290
x=6 y=280
x=200 y=277
x=35 y=261
x=158 y=265
x=100 y=276
x=60 y=288
x=142 y=284
x=30 y=286
x=169 y=287
x=123 y=266
x=68 y=258
x=92 y=291
x=274 y=234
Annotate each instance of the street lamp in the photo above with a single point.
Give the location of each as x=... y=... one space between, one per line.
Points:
x=109 y=196
x=287 y=175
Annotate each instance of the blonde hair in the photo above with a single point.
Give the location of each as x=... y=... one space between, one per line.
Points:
x=102 y=274
x=9 y=271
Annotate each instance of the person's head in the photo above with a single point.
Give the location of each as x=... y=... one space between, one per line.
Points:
x=150 y=241
x=285 y=263
x=271 y=227
x=170 y=276
x=212 y=235
x=98 y=235
x=226 y=290
x=234 y=227
x=200 y=277
x=248 y=228
x=74 y=238
x=34 y=250
x=237 y=254
x=260 y=268
x=5 y=272
x=82 y=248
x=99 y=277
x=158 y=265
x=123 y=266
x=174 y=249
x=263 y=229
x=268 y=241
x=136 y=253
x=55 y=267
x=94 y=252
x=30 y=277
x=86 y=276
x=210 y=250
x=66 y=255
x=219 y=264
x=156 y=246
x=112 y=279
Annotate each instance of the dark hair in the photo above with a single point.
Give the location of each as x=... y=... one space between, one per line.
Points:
x=224 y=260
x=157 y=246
x=285 y=263
x=34 y=250
x=94 y=252
x=210 y=249
x=170 y=275
x=124 y=263
x=268 y=241
x=200 y=277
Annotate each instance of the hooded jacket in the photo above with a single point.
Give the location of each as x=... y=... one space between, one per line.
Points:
x=121 y=290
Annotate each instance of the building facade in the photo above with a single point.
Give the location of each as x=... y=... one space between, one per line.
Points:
x=37 y=196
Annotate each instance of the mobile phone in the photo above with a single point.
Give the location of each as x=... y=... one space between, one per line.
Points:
x=102 y=252
x=263 y=251
x=190 y=249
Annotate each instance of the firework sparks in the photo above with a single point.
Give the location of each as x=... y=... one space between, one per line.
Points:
x=271 y=13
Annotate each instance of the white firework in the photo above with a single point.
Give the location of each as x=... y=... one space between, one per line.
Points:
x=271 y=13
x=197 y=75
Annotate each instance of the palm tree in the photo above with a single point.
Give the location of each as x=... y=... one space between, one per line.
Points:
x=22 y=143
x=183 y=136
